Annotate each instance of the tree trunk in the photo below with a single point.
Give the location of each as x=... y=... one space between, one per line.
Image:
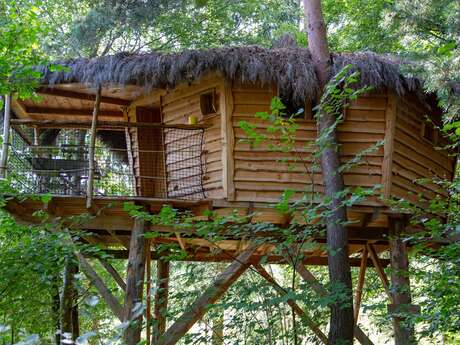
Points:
x=134 y=284
x=341 y=321
x=400 y=284
x=161 y=299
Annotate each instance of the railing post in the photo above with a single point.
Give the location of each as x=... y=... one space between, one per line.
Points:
x=6 y=136
x=92 y=147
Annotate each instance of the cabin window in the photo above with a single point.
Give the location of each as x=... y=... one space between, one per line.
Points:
x=208 y=103
x=430 y=132
x=302 y=110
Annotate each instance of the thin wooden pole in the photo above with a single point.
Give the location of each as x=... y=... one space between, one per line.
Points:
x=6 y=136
x=161 y=298
x=359 y=288
x=148 y=311
x=220 y=285
x=295 y=307
x=92 y=146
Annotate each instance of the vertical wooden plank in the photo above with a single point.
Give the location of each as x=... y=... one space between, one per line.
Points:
x=161 y=298
x=228 y=140
x=220 y=285
x=134 y=283
x=92 y=147
x=390 y=125
x=400 y=284
x=359 y=288
x=6 y=136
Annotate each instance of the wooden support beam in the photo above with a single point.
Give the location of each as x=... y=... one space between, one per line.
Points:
x=161 y=299
x=320 y=290
x=400 y=284
x=227 y=256
x=72 y=112
x=220 y=285
x=6 y=136
x=114 y=273
x=98 y=283
x=102 y=125
x=92 y=147
x=295 y=307
x=360 y=285
x=134 y=283
x=81 y=95
x=380 y=272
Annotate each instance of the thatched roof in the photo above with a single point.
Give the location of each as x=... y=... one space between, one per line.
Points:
x=289 y=67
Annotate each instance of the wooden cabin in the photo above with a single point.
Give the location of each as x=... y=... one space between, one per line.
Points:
x=168 y=133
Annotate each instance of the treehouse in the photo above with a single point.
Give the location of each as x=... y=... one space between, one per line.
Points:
x=169 y=133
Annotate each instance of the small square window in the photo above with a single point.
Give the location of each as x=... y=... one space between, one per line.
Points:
x=208 y=103
x=430 y=132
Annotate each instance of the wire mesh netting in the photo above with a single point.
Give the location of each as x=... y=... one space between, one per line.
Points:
x=167 y=164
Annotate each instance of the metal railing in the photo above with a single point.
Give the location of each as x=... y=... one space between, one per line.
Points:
x=174 y=169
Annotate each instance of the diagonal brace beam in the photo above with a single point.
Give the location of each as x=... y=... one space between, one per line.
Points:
x=295 y=307
x=321 y=290
x=220 y=285
x=98 y=283
x=114 y=273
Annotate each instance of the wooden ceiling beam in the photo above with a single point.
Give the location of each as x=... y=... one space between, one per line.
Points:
x=73 y=112
x=81 y=96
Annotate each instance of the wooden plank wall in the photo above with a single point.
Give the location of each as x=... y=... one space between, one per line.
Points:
x=260 y=176
x=414 y=157
x=178 y=104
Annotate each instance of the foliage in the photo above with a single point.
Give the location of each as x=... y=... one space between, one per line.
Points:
x=20 y=32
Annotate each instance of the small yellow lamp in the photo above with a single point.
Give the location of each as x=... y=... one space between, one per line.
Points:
x=192 y=120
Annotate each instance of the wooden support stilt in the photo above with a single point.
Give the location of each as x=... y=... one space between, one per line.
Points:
x=75 y=314
x=295 y=307
x=6 y=136
x=114 y=273
x=378 y=267
x=217 y=337
x=220 y=285
x=68 y=300
x=400 y=285
x=359 y=287
x=134 y=283
x=320 y=290
x=161 y=299
x=56 y=309
x=92 y=145
x=98 y=283
x=148 y=295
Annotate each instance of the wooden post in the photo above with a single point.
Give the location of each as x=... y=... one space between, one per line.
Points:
x=161 y=299
x=220 y=285
x=6 y=136
x=148 y=297
x=134 y=283
x=295 y=307
x=56 y=309
x=359 y=287
x=92 y=145
x=67 y=302
x=400 y=284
